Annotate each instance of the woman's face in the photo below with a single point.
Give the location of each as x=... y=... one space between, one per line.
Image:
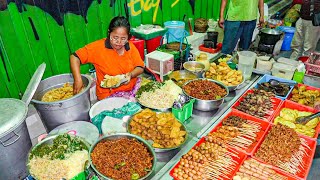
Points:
x=118 y=37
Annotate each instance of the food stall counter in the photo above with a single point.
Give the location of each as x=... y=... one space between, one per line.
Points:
x=200 y=123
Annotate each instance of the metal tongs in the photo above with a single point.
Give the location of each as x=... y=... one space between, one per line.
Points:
x=183 y=99
x=306 y=119
x=274 y=82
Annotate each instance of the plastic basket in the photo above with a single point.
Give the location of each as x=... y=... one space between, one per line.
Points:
x=307 y=159
x=240 y=159
x=313 y=63
x=312 y=67
x=276 y=102
x=267 y=78
x=184 y=113
x=263 y=124
x=299 y=107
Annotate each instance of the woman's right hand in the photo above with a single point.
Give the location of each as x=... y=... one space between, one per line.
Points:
x=77 y=86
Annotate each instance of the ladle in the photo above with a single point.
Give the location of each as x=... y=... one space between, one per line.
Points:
x=274 y=82
x=306 y=119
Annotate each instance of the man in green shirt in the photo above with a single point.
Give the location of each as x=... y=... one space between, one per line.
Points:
x=240 y=22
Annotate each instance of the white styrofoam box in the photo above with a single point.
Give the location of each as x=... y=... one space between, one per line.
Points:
x=196 y=39
x=288 y=61
x=283 y=70
x=160 y=62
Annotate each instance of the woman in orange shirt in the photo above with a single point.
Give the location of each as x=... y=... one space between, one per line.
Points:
x=113 y=55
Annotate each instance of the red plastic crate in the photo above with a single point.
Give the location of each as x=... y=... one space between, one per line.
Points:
x=307 y=88
x=241 y=157
x=275 y=101
x=313 y=67
x=299 y=107
x=306 y=159
x=289 y=176
x=264 y=128
x=210 y=50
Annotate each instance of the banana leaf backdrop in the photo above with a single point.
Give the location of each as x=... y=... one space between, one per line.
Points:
x=36 y=31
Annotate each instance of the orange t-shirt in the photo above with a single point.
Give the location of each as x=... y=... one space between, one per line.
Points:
x=107 y=61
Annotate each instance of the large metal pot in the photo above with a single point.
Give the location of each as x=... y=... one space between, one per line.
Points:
x=14 y=139
x=124 y=135
x=208 y=105
x=14 y=136
x=269 y=36
x=56 y=113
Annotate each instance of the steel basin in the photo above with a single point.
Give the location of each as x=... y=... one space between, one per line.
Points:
x=194 y=64
x=124 y=135
x=208 y=105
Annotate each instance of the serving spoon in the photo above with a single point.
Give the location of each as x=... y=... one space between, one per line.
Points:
x=306 y=119
x=274 y=82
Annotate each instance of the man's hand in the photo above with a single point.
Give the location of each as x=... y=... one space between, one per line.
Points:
x=261 y=21
x=221 y=23
x=77 y=86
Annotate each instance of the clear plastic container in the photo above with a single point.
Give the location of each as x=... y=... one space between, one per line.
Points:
x=283 y=70
x=246 y=63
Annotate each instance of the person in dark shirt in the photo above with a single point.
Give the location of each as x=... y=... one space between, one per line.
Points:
x=306 y=37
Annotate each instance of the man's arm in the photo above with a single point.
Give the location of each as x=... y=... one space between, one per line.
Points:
x=222 y=9
x=261 y=11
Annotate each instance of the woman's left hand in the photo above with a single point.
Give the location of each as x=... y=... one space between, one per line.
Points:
x=128 y=77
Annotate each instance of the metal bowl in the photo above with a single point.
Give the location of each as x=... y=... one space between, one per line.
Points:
x=49 y=140
x=230 y=88
x=162 y=149
x=181 y=77
x=124 y=135
x=207 y=105
x=194 y=67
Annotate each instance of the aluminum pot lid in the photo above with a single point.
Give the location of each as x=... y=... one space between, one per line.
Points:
x=83 y=129
x=33 y=84
x=12 y=113
x=271 y=31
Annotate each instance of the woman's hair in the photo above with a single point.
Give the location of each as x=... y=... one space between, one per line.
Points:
x=119 y=21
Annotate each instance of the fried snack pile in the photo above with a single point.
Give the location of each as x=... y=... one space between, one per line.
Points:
x=224 y=74
x=163 y=129
x=110 y=81
x=305 y=97
x=57 y=94
x=258 y=104
x=122 y=159
x=205 y=90
x=283 y=148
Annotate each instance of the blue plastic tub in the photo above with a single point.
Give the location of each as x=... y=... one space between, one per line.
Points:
x=268 y=77
x=288 y=36
x=176 y=31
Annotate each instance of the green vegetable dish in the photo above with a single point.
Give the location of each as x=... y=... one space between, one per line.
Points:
x=149 y=87
x=63 y=144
